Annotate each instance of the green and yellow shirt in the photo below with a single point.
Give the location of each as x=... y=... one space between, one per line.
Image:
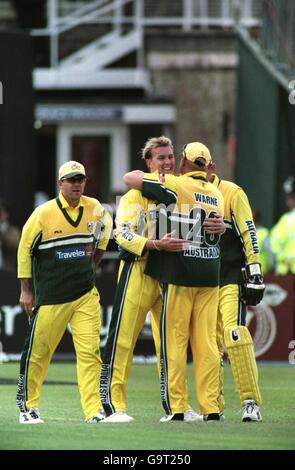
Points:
x=186 y=201
x=57 y=248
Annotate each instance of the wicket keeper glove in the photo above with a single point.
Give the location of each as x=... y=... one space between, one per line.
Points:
x=253 y=286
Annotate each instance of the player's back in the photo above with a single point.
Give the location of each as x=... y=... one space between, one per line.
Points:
x=198 y=264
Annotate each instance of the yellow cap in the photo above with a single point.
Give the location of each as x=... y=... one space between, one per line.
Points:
x=195 y=150
x=70 y=169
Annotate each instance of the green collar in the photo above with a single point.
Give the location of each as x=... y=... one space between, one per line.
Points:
x=199 y=177
x=74 y=223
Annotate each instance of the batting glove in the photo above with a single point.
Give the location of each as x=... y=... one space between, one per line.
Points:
x=253 y=286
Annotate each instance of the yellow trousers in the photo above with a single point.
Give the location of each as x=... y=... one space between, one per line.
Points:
x=135 y=296
x=231 y=312
x=47 y=327
x=189 y=312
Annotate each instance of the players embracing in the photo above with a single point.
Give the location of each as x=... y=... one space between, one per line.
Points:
x=189 y=280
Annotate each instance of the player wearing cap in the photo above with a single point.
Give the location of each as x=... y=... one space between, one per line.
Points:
x=136 y=293
x=190 y=280
x=60 y=244
x=239 y=254
x=282 y=237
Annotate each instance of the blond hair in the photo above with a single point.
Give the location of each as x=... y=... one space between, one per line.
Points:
x=155 y=142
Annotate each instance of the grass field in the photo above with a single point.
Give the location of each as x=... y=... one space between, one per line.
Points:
x=64 y=427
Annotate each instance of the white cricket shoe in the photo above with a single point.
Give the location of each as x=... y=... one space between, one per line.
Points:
x=96 y=418
x=221 y=416
x=174 y=417
x=31 y=417
x=118 y=417
x=251 y=411
x=188 y=415
x=191 y=415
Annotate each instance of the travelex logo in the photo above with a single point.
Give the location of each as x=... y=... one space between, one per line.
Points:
x=73 y=253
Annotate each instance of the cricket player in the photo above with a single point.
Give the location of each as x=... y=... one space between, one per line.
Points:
x=136 y=293
x=239 y=253
x=189 y=280
x=282 y=238
x=61 y=242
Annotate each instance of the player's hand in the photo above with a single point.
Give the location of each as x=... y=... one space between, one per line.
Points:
x=26 y=302
x=253 y=286
x=168 y=243
x=214 y=224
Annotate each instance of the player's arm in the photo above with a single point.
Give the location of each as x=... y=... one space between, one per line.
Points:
x=162 y=188
x=163 y=191
x=26 y=299
x=244 y=226
x=133 y=179
x=103 y=231
x=253 y=287
x=30 y=234
x=214 y=224
x=130 y=232
x=131 y=223
x=167 y=243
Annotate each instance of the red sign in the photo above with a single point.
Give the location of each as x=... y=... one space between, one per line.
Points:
x=272 y=322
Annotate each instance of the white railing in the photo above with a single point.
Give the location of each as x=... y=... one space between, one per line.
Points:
x=64 y=15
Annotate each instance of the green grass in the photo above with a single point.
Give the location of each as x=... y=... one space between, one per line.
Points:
x=64 y=427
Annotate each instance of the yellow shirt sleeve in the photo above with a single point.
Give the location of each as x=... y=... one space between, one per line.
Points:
x=220 y=210
x=131 y=223
x=30 y=232
x=243 y=219
x=106 y=224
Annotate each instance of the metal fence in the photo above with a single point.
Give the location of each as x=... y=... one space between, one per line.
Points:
x=220 y=11
x=278 y=34
x=65 y=15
